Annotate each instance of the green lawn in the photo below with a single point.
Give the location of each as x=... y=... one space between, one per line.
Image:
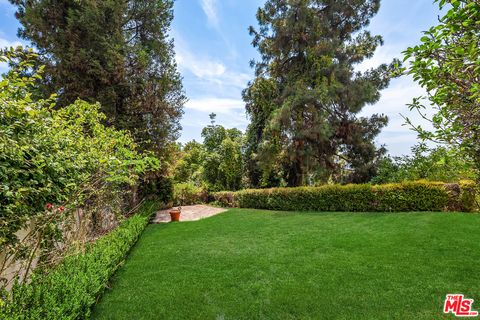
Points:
x=251 y=264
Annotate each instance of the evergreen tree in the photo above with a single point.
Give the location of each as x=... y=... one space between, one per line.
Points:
x=115 y=52
x=306 y=96
x=156 y=97
x=260 y=99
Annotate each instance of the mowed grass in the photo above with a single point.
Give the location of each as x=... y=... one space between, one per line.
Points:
x=251 y=264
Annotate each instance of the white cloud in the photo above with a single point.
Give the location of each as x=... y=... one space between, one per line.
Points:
x=394 y=101
x=213 y=85
x=210 y=9
x=382 y=55
x=230 y=113
x=398 y=136
x=201 y=67
x=213 y=72
x=4 y=43
x=216 y=105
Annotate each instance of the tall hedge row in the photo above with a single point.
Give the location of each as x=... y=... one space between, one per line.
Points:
x=406 y=196
x=71 y=288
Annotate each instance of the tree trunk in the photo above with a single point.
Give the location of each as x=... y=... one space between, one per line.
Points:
x=295 y=174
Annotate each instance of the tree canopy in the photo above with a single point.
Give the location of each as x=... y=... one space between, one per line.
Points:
x=117 y=53
x=305 y=99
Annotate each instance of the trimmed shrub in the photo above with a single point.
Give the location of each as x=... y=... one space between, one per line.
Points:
x=185 y=194
x=69 y=290
x=225 y=199
x=406 y=196
x=468 y=196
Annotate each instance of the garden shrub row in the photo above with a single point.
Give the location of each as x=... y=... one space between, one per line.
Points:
x=185 y=194
x=60 y=168
x=69 y=290
x=406 y=196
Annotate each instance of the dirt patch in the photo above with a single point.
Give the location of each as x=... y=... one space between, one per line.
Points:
x=189 y=213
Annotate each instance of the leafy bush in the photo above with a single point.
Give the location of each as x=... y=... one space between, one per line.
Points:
x=190 y=164
x=223 y=158
x=468 y=196
x=54 y=157
x=448 y=164
x=70 y=289
x=406 y=196
x=216 y=163
x=185 y=194
x=225 y=199
x=157 y=187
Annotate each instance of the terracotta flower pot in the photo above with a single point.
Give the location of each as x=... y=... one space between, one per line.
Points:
x=175 y=215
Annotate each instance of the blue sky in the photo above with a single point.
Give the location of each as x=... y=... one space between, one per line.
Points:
x=213 y=50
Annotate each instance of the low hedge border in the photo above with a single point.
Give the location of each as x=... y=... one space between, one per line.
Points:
x=398 y=197
x=70 y=289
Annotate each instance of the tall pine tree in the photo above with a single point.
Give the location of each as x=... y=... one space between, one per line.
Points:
x=305 y=99
x=115 y=52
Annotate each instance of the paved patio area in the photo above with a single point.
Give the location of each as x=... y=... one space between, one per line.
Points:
x=189 y=213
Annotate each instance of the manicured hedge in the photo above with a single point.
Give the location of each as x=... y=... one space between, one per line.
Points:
x=406 y=196
x=71 y=288
x=186 y=194
x=226 y=199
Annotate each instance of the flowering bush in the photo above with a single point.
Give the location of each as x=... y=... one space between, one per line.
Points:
x=52 y=161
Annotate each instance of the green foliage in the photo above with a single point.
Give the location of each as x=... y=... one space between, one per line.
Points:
x=305 y=100
x=49 y=156
x=190 y=165
x=71 y=288
x=260 y=99
x=217 y=163
x=447 y=64
x=223 y=160
x=117 y=53
x=468 y=196
x=406 y=196
x=185 y=194
x=437 y=164
x=157 y=187
x=225 y=199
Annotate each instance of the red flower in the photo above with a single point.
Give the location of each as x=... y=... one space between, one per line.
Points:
x=61 y=208
x=49 y=206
